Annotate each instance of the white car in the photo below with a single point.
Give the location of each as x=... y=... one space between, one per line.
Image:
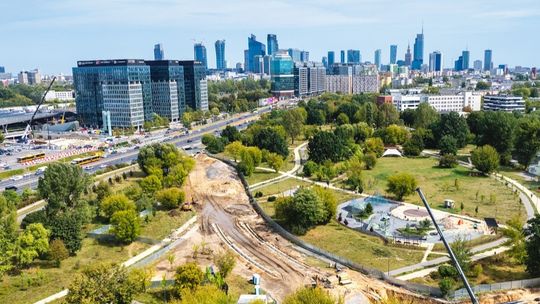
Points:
x=16 y=177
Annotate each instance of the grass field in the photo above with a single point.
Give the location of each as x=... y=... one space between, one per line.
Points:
x=281 y=186
x=261 y=175
x=439 y=184
x=162 y=224
x=14 y=291
x=361 y=248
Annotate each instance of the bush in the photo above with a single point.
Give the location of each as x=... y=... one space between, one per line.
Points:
x=116 y=202
x=447 y=271
x=258 y=194
x=370 y=160
x=401 y=185
x=485 y=159
x=57 y=251
x=477 y=270
x=310 y=168
x=448 y=161
x=188 y=276
x=272 y=199
x=446 y=285
x=126 y=225
x=170 y=198
x=39 y=216
x=448 y=145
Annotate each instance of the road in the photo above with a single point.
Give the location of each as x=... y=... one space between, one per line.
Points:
x=131 y=155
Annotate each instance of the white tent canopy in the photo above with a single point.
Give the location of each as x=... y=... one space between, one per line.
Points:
x=392 y=152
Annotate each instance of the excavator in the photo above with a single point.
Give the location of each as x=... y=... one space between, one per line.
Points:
x=28 y=131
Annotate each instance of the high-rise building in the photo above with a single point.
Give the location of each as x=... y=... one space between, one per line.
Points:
x=220 y=55
x=254 y=48
x=159 y=53
x=272 y=43
x=477 y=65
x=342 y=56
x=378 y=58
x=458 y=64
x=167 y=77
x=258 y=64
x=309 y=79
x=466 y=58
x=353 y=56
x=331 y=58
x=435 y=62
x=324 y=60
x=408 y=56
x=393 y=54
x=267 y=61
x=29 y=77
x=488 y=61
x=418 y=58
x=200 y=54
x=2 y=70
x=304 y=56
x=281 y=69
x=195 y=85
x=121 y=87
x=295 y=54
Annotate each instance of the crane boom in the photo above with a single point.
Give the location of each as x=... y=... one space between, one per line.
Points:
x=28 y=129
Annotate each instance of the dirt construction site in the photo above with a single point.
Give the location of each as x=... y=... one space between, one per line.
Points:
x=226 y=221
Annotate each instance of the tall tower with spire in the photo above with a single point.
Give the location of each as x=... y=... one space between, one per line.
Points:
x=408 y=56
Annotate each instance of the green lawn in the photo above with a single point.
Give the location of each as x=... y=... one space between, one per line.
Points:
x=162 y=224
x=55 y=279
x=516 y=175
x=439 y=184
x=361 y=248
x=261 y=175
x=281 y=186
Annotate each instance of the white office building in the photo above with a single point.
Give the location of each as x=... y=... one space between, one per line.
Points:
x=504 y=103
x=60 y=95
x=441 y=103
x=352 y=84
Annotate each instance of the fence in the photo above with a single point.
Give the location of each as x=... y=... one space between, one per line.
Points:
x=374 y=273
x=478 y=289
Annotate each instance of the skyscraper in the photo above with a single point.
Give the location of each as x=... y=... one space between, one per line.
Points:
x=159 y=54
x=304 y=56
x=2 y=70
x=200 y=54
x=477 y=65
x=418 y=58
x=465 y=60
x=195 y=85
x=331 y=58
x=435 y=62
x=488 y=63
x=295 y=54
x=408 y=56
x=254 y=48
x=353 y=56
x=281 y=69
x=378 y=58
x=168 y=99
x=393 y=54
x=342 y=56
x=324 y=60
x=220 y=55
x=458 y=64
x=271 y=41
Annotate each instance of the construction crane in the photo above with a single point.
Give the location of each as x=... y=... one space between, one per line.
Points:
x=28 y=130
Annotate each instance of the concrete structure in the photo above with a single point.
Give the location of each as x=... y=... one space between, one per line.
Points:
x=477 y=65
x=504 y=103
x=29 y=77
x=309 y=79
x=408 y=56
x=159 y=53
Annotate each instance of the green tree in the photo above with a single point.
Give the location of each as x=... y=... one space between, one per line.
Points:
x=115 y=203
x=309 y=295
x=57 y=251
x=126 y=226
x=452 y=124
x=532 y=236
x=448 y=145
x=527 y=141
x=234 y=149
x=178 y=175
x=414 y=145
x=68 y=228
x=401 y=185
x=387 y=114
x=424 y=116
x=170 y=198
x=150 y=184
x=8 y=234
x=516 y=239
x=275 y=161
x=394 y=134
x=208 y=294
x=375 y=145
x=62 y=185
x=225 y=262
x=329 y=202
x=482 y=85
x=302 y=211
x=187 y=276
x=310 y=168
x=269 y=138
x=448 y=161
x=214 y=144
x=342 y=119
x=102 y=190
x=247 y=164
x=231 y=133
x=327 y=146
x=370 y=160
x=30 y=244
x=485 y=159
x=462 y=253
x=102 y=284
x=293 y=122
x=497 y=129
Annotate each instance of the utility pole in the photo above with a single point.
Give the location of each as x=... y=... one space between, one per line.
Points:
x=449 y=249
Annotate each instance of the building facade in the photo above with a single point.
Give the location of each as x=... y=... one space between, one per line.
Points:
x=168 y=97
x=353 y=56
x=442 y=103
x=195 y=85
x=255 y=48
x=342 y=56
x=393 y=54
x=331 y=58
x=159 y=53
x=377 y=58
x=199 y=51
x=488 y=60
x=418 y=58
x=435 y=62
x=272 y=43
x=309 y=79
x=282 y=79
x=220 y=55
x=352 y=84
x=504 y=103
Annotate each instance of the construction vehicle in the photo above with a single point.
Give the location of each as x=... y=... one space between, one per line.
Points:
x=28 y=131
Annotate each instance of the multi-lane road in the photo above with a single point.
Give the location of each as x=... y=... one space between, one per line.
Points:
x=191 y=139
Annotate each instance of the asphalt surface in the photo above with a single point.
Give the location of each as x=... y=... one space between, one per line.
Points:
x=191 y=139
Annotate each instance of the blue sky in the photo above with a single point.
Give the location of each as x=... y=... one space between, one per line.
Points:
x=54 y=34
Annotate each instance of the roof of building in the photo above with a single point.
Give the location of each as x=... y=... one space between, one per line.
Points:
x=491 y=222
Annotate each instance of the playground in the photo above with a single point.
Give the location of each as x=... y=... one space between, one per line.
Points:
x=407 y=223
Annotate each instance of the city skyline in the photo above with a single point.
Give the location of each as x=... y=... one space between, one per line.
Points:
x=130 y=31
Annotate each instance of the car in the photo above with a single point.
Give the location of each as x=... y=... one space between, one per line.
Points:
x=27 y=174
x=16 y=177
x=12 y=188
x=190 y=140
x=103 y=166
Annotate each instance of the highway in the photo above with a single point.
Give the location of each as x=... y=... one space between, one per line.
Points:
x=192 y=139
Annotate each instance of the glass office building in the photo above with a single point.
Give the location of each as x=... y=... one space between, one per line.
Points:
x=255 y=48
x=488 y=60
x=220 y=55
x=168 y=99
x=418 y=55
x=122 y=87
x=159 y=53
x=195 y=85
x=200 y=54
x=272 y=43
x=281 y=69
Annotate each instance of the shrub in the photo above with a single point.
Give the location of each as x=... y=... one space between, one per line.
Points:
x=116 y=202
x=57 y=251
x=446 y=285
x=370 y=160
x=448 y=161
x=272 y=199
x=170 y=198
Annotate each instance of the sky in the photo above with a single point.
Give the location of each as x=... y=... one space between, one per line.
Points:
x=53 y=34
